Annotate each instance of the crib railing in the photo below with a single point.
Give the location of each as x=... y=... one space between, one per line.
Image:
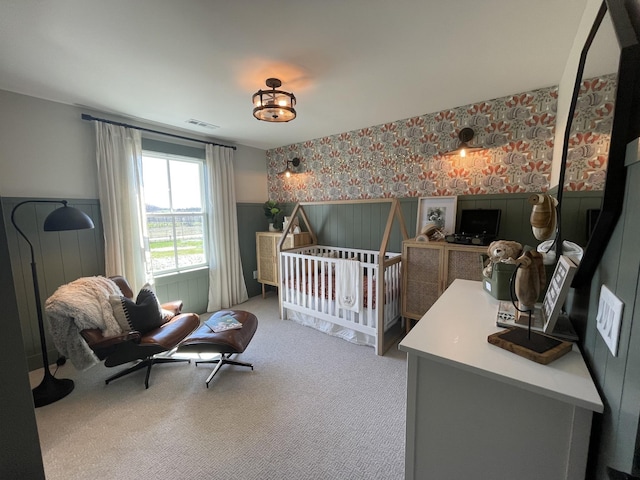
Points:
x=307 y=285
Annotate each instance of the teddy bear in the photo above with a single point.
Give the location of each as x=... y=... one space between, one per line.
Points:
x=501 y=251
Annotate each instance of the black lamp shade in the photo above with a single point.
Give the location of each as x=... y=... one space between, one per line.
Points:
x=67 y=218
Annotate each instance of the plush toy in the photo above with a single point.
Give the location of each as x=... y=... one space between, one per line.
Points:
x=501 y=251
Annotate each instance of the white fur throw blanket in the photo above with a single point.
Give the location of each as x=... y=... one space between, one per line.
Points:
x=83 y=303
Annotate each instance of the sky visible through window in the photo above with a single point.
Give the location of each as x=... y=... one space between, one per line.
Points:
x=185 y=183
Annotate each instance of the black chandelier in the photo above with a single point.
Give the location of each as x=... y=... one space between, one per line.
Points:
x=274 y=105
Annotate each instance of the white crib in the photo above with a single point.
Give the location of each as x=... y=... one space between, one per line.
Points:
x=308 y=286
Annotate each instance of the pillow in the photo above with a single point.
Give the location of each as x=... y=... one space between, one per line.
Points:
x=166 y=314
x=142 y=315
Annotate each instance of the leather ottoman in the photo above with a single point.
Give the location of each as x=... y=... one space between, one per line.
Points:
x=226 y=343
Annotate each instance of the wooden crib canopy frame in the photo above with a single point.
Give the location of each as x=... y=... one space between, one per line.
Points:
x=395 y=213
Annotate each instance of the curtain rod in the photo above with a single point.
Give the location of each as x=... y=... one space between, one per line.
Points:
x=103 y=120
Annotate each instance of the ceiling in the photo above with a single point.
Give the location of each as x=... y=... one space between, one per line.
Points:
x=350 y=63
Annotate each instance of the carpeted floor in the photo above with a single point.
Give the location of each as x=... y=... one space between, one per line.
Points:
x=315 y=407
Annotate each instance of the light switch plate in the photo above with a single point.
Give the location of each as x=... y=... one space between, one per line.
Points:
x=609 y=318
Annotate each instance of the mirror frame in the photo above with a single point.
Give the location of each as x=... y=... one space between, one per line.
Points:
x=625 y=16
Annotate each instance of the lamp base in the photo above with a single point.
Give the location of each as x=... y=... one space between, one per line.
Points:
x=51 y=389
x=531 y=345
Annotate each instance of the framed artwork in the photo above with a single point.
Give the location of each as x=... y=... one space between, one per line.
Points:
x=557 y=292
x=438 y=210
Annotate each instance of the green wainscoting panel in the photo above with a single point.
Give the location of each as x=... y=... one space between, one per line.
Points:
x=574 y=214
x=516 y=210
x=514 y=219
x=251 y=219
x=361 y=225
x=61 y=257
x=617 y=377
x=191 y=287
x=356 y=225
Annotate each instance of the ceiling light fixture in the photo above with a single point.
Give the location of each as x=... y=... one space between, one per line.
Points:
x=465 y=136
x=287 y=171
x=274 y=105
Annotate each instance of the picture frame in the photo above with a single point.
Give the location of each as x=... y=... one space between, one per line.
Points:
x=440 y=210
x=557 y=292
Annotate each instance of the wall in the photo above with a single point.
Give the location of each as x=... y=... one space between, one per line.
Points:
x=20 y=455
x=60 y=258
x=46 y=150
x=618 y=377
x=406 y=158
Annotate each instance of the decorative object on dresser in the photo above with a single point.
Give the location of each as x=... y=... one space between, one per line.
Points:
x=543 y=216
x=440 y=211
x=527 y=342
x=51 y=389
x=478 y=226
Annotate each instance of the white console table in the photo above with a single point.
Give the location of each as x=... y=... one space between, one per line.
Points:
x=475 y=410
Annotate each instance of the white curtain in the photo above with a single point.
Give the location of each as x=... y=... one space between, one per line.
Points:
x=226 y=280
x=119 y=157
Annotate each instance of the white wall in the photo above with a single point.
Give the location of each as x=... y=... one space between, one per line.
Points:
x=47 y=150
x=250 y=168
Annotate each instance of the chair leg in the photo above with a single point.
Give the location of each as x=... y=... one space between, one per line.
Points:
x=148 y=363
x=225 y=359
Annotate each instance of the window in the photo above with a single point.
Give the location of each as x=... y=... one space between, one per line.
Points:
x=176 y=223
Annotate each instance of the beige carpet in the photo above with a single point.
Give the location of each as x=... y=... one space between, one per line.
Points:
x=315 y=407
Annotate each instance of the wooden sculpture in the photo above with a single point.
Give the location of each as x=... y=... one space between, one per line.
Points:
x=530 y=281
x=543 y=215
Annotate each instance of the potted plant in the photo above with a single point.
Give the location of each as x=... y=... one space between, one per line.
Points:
x=273 y=211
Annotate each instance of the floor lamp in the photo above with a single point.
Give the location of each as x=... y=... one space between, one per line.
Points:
x=51 y=389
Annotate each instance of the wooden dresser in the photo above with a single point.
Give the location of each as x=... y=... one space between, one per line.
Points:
x=428 y=268
x=267 y=254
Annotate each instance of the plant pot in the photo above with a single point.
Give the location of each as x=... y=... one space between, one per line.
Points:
x=272 y=228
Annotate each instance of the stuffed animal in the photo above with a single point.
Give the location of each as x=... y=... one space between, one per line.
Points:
x=501 y=251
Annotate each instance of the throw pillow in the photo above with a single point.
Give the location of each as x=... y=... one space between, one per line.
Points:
x=166 y=314
x=142 y=315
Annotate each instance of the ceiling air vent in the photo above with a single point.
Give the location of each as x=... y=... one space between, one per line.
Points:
x=200 y=123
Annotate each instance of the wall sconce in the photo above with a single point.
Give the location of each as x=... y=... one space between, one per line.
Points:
x=465 y=136
x=287 y=171
x=274 y=105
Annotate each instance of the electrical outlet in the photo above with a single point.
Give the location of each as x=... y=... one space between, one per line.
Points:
x=255 y=274
x=609 y=318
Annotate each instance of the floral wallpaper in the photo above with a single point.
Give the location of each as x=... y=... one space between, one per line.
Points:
x=405 y=158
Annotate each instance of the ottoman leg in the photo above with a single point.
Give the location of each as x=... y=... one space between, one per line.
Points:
x=225 y=359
